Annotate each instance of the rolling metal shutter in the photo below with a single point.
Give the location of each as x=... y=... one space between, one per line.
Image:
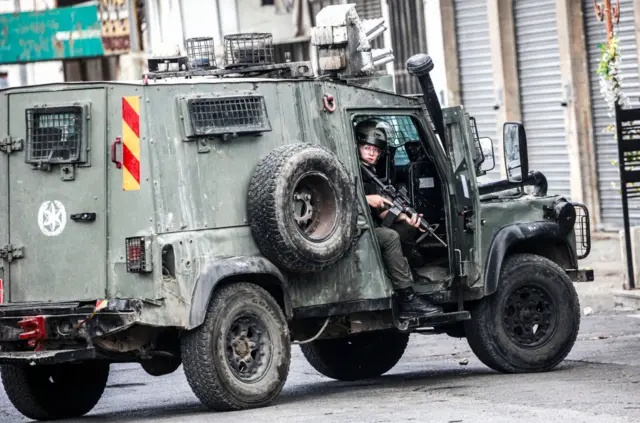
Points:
x=606 y=147
x=368 y=9
x=476 y=72
x=408 y=37
x=541 y=93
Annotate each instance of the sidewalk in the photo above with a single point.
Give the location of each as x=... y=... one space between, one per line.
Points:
x=606 y=263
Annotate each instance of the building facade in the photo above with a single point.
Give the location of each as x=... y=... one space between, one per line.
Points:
x=537 y=62
x=504 y=60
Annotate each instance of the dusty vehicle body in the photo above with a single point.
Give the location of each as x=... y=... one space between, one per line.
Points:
x=179 y=204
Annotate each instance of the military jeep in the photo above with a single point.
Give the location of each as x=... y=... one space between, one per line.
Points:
x=211 y=215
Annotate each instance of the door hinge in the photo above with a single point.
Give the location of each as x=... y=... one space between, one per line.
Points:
x=11 y=252
x=9 y=145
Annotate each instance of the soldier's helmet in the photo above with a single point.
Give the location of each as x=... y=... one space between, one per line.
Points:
x=372 y=131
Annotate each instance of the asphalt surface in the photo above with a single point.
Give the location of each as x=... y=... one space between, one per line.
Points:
x=600 y=381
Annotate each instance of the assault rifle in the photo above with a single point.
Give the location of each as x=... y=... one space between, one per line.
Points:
x=401 y=204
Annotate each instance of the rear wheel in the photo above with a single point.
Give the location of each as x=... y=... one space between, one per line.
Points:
x=59 y=391
x=531 y=322
x=239 y=357
x=362 y=356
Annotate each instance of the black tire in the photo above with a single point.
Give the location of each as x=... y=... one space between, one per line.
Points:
x=455 y=330
x=277 y=191
x=160 y=366
x=361 y=356
x=58 y=391
x=502 y=331
x=213 y=379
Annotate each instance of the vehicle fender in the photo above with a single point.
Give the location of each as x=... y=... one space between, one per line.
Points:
x=254 y=269
x=508 y=236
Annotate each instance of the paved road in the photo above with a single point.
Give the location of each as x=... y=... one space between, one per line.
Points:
x=599 y=382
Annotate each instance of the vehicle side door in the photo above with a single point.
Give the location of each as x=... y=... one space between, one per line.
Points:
x=464 y=200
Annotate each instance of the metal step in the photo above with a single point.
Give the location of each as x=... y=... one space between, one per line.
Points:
x=440 y=319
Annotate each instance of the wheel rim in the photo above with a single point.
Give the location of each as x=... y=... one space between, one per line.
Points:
x=529 y=316
x=248 y=348
x=315 y=206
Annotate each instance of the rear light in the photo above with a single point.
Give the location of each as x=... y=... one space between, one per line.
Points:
x=138 y=254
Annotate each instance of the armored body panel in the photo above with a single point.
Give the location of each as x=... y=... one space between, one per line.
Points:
x=191 y=195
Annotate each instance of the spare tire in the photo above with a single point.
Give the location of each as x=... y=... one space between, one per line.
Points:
x=302 y=208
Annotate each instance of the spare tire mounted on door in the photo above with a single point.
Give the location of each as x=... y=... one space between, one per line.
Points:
x=302 y=208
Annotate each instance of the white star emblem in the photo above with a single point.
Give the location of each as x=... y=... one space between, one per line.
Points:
x=52 y=218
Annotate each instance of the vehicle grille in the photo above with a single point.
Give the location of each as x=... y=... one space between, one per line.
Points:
x=211 y=116
x=476 y=137
x=582 y=231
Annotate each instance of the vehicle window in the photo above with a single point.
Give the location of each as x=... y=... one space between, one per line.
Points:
x=53 y=134
x=401 y=129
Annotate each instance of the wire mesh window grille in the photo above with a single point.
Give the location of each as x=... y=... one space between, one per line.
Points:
x=582 y=231
x=213 y=116
x=248 y=49
x=400 y=129
x=54 y=134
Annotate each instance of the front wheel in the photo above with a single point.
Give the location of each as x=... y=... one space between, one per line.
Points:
x=239 y=357
x=531 y=322
x=57 y=391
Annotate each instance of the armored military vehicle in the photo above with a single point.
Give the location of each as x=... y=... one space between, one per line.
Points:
x=211 y=215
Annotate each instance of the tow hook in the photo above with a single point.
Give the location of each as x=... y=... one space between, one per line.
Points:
x=33 y=329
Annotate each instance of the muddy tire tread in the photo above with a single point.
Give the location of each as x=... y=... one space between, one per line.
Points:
x=199 y=365
x=479 y=330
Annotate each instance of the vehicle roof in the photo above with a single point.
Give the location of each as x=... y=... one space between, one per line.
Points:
x=190 y=81
x=163 y=81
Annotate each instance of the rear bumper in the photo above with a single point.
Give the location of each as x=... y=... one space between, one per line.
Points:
x=33 y=358
x=580 y=275
x=29 y=327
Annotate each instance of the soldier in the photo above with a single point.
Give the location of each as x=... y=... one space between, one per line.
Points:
x=372 y=141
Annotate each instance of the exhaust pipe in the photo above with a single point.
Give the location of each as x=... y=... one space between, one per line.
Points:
x=420 y=65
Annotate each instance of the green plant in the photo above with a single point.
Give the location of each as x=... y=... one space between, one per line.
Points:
x=610 y=85
x=610 y=76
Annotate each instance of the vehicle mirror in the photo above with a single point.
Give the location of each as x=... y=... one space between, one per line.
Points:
x=489 y=162
x=515 y=151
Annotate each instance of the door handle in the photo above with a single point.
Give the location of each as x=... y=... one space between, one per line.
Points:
x=113 y=152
